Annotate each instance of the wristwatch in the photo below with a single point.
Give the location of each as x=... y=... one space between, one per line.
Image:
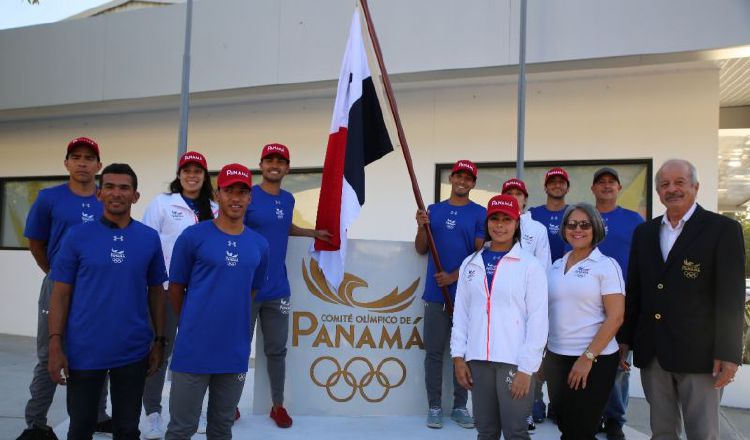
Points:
x=162 y=340
x=589 y=355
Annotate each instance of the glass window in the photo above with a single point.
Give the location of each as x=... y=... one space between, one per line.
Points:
x=304 y=184
x=635 y=177
x=17 y=197
x=18 y=194
x=734 y=199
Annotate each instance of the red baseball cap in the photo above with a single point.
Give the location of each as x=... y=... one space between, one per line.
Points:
x=193 y=157
x=504 y=204
x=515 y=183
x=234 y=173
x=85 y=142
x=465 y=165
x=279 y=149
x=556 y=171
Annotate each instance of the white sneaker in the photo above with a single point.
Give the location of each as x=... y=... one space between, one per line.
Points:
x=153 y=429
x=202 y=423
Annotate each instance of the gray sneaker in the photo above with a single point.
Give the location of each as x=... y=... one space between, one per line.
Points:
x=462 y=417
x=435 y=418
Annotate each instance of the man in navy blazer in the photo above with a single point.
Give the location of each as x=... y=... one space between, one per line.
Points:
x=684 y=307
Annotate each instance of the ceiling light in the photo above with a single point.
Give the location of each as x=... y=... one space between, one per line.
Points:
x=734 y=163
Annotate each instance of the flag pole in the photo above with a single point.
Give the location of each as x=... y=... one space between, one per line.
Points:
x=404 y=145
x=185 y=88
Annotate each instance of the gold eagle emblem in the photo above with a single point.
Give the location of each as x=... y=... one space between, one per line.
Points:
x=690 y=269
x=392 y=302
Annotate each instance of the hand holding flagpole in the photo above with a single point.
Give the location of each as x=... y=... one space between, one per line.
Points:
x=404 y=146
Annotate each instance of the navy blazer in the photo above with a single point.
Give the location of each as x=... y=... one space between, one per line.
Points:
x=688 y=310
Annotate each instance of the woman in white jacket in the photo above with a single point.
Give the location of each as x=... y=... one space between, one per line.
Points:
x=189 y=201
x=500 y=324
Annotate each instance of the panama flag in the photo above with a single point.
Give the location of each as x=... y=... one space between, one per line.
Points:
x=358 y=136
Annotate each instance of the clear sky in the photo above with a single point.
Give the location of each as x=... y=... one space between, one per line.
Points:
x=18 y=13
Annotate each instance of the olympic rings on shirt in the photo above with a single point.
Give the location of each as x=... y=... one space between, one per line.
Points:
x=363 y=383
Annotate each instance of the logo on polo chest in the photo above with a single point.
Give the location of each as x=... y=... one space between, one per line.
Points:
x=232 y=258
x=117 y=255
x=581 y=271
x=85 y=218
x=553 y=226
x=691 y=269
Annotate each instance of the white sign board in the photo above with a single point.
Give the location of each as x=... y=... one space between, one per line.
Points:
x=358 y=350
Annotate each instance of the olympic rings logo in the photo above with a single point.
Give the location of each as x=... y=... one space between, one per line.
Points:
x=365 y=384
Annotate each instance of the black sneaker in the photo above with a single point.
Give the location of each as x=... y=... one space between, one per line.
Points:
x=104 y=427
x=530 y=422
x=37 y=433
x=613 y=430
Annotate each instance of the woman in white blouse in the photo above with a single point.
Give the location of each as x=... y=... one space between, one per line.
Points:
x=500 y=325
x=586 y=308
x=190 y=200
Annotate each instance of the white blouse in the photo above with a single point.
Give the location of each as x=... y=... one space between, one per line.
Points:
x=576 y=306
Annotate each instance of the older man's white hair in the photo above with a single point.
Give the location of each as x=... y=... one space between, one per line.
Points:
x=671 y=162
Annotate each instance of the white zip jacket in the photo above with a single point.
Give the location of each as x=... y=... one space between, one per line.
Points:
x=535 y=240
x=507 y=321
x=170 y=215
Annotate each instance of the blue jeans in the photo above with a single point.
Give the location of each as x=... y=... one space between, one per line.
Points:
x=126 y=392
x=617 y=404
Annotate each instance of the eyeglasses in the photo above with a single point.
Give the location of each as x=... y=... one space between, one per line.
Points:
x=573 y=224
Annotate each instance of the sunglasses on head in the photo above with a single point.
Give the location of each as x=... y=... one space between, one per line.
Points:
x=585 y=225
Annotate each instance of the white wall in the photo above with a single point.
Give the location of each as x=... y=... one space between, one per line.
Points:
x=239 y=43
x=658 y=115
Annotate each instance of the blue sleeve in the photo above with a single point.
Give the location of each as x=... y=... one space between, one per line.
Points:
x=481 y=217
x=292 y=201
x=65 y=266
x=39 y=220
x=157 y=272
x=182 y=259
x=261 y=272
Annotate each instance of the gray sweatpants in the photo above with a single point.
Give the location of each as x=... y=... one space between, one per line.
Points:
x=274 y=323
x=495 y=410
x=437 y=334
x=155 y=383
x=186 y=400
x=42 y=388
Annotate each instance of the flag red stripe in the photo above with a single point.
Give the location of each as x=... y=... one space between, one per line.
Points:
x=329 y=204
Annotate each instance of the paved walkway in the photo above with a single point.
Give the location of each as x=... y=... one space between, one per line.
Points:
x=17 y=359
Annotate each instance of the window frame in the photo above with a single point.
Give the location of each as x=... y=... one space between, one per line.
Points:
x=3 y=181
x=64 y=178
x=647 y=161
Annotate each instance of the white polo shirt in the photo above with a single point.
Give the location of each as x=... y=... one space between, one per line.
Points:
x=576 y=307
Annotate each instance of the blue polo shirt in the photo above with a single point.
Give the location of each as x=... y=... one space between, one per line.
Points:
x=220 y=271
x=455 y=230
x=110 y=270
x=55 y=210
x=271 y=216
x=551 y=220
x=619 y=224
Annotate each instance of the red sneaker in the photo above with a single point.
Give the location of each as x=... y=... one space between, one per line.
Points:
x=236 y=413
x=281 y=417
